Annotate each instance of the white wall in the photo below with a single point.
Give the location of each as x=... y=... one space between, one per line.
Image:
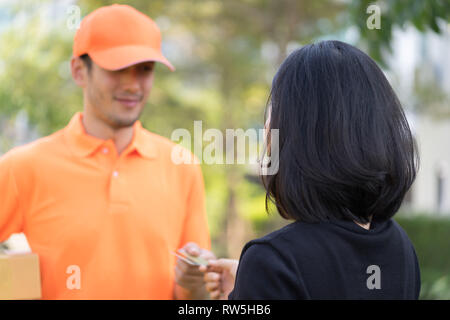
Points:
x=433 y=139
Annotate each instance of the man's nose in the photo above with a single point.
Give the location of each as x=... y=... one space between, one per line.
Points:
x=130 y=80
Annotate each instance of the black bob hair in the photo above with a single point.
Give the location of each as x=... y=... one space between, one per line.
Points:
x=345 y=148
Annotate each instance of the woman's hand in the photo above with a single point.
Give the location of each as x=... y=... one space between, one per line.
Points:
x=219 y=277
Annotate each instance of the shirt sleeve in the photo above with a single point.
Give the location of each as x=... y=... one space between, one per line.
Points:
x=195 y=227
x=11 y=218
x=263 y=273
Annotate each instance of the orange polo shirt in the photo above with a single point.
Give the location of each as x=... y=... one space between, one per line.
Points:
x=100 y=220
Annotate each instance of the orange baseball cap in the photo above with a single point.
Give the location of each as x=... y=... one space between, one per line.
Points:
x=118 y=36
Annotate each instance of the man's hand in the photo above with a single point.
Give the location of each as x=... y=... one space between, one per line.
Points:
x=188 y=276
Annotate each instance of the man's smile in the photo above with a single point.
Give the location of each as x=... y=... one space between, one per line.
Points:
x=129 y=102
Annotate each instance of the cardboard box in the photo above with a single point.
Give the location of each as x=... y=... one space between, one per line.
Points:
x=20 y=277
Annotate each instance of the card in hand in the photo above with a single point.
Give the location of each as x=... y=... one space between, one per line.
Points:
x=192 y=260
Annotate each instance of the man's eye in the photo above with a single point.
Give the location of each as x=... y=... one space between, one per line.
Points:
x=147 y=68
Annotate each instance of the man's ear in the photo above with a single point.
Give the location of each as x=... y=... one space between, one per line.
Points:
x=79 y=71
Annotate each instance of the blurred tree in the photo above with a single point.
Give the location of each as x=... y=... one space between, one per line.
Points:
x=225 y=52
x=427 y=95
x=424 y=15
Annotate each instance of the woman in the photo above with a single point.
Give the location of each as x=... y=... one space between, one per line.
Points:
x=346 y=160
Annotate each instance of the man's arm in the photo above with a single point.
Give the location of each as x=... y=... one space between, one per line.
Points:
x=189 y=283
x=11 y=216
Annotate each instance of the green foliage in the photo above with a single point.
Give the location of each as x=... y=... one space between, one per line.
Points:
x=36 y=75
x=423 y=15
x=430 y=237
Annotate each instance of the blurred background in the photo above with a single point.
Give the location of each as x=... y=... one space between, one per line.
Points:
x=226 y=54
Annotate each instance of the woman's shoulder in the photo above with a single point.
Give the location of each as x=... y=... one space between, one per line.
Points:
x=265 y=271
x=293 y=231
x=288 y=237
x=268 y=269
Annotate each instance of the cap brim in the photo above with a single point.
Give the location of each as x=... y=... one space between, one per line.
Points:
x=125 y=56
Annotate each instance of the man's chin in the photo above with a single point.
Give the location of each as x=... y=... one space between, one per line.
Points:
x=119 y=122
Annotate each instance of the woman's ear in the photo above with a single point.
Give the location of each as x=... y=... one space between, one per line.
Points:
x=79 y=71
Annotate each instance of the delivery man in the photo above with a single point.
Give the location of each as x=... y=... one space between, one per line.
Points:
x=100 y=201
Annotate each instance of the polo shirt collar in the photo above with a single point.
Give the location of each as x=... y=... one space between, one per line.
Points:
x=83 y=144
x=143 y=142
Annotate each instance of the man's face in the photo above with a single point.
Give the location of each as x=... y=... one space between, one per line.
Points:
x=118 y=97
